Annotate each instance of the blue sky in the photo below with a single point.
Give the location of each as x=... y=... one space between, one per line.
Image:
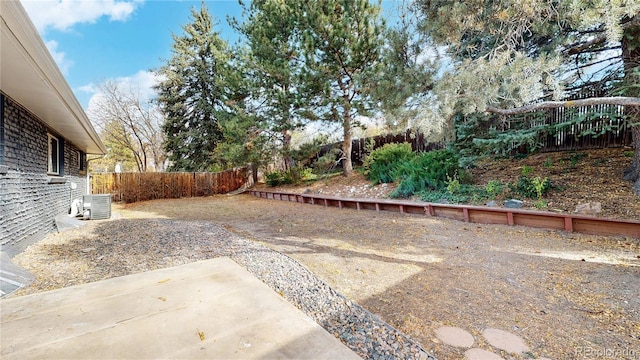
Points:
x=97 y=40
x=93 y=41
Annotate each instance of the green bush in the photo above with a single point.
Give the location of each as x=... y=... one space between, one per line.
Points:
x=430 y=170
x=442 y=196
x=274 y=178
x=382 y=164
x=494 y=188
x=530 y=188
x=465 y=193
x=295 y=175
x=307 y=151
x=434 y=170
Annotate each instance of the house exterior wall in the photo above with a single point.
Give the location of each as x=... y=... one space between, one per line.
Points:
x=29 y=197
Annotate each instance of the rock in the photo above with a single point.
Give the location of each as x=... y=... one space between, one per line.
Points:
x=506 y=341
x=492 y=203
x=513 y=204
x=589 y=208
x=481 y=354
x=455 y=336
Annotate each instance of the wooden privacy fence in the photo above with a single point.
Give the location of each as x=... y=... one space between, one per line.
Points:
x=359 y=146
x=561 y=129
x=132 y=187
x=571 y=129
x=416 y=139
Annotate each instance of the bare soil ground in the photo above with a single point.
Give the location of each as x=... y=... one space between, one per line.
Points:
x=562 y=293
x=566 y=295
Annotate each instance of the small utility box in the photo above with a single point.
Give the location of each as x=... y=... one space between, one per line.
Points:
x=96 y=207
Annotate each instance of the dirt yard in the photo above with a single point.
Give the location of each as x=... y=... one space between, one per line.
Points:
x=563 y=293
x=569 y=296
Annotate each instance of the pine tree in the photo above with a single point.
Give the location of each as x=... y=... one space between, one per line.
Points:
x=271 y=30
x=513 y=57
x=193 y=93
x=342 y=41
x=408 y=72
x=244 y=140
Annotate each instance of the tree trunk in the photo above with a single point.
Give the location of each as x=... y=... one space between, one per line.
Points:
x=254 y=173
x=632 y=173
x=631 y=60
x=347 y=165
x=286 y=150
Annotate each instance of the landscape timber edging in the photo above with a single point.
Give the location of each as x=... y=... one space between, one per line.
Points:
x=470 y=213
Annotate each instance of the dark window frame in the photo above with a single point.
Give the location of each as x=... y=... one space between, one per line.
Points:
x=54 y=155
x=82 y=161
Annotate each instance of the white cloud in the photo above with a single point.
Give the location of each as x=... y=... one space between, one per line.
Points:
x=89 y=88
x=141 y=83
x=59 y=56
x=64 y=14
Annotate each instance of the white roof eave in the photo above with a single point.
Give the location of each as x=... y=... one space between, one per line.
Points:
x=30 y=76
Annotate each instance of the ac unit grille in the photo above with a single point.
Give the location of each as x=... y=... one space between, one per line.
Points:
x=99 y=206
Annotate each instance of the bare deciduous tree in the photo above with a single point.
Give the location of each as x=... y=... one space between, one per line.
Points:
x=131 y=122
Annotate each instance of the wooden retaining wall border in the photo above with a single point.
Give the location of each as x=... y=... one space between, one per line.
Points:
x=469 y=213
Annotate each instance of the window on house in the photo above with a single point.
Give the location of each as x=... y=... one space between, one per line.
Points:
x=54 y=155
x=82 y=160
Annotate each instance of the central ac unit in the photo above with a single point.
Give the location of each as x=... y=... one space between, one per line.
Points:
x=96 y=207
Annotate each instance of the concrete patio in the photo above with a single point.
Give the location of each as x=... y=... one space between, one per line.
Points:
x=208 y=309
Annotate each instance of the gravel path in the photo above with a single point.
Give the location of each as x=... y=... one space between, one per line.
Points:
x=106 y=249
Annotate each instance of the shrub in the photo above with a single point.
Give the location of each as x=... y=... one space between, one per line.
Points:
x=494 y=188
x=274 y=178
x=429 y=170
x=453 y=185
x=295 y=175
x=534 y=188
x=442 y=196
x=462 y=194
x=327 y=162
x=381 y=165
x=433 y=170
x=307 y=151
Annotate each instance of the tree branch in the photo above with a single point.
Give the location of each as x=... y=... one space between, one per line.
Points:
x=614 y=100
x=580 y=48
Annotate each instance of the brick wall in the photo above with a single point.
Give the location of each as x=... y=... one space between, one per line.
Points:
x=29 y=200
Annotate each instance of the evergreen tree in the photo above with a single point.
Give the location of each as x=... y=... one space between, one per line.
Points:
x=342 y=41
x=244 y=141
x=512 y=57
x=409 y=63
x=194 y=95
x=271 y=30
